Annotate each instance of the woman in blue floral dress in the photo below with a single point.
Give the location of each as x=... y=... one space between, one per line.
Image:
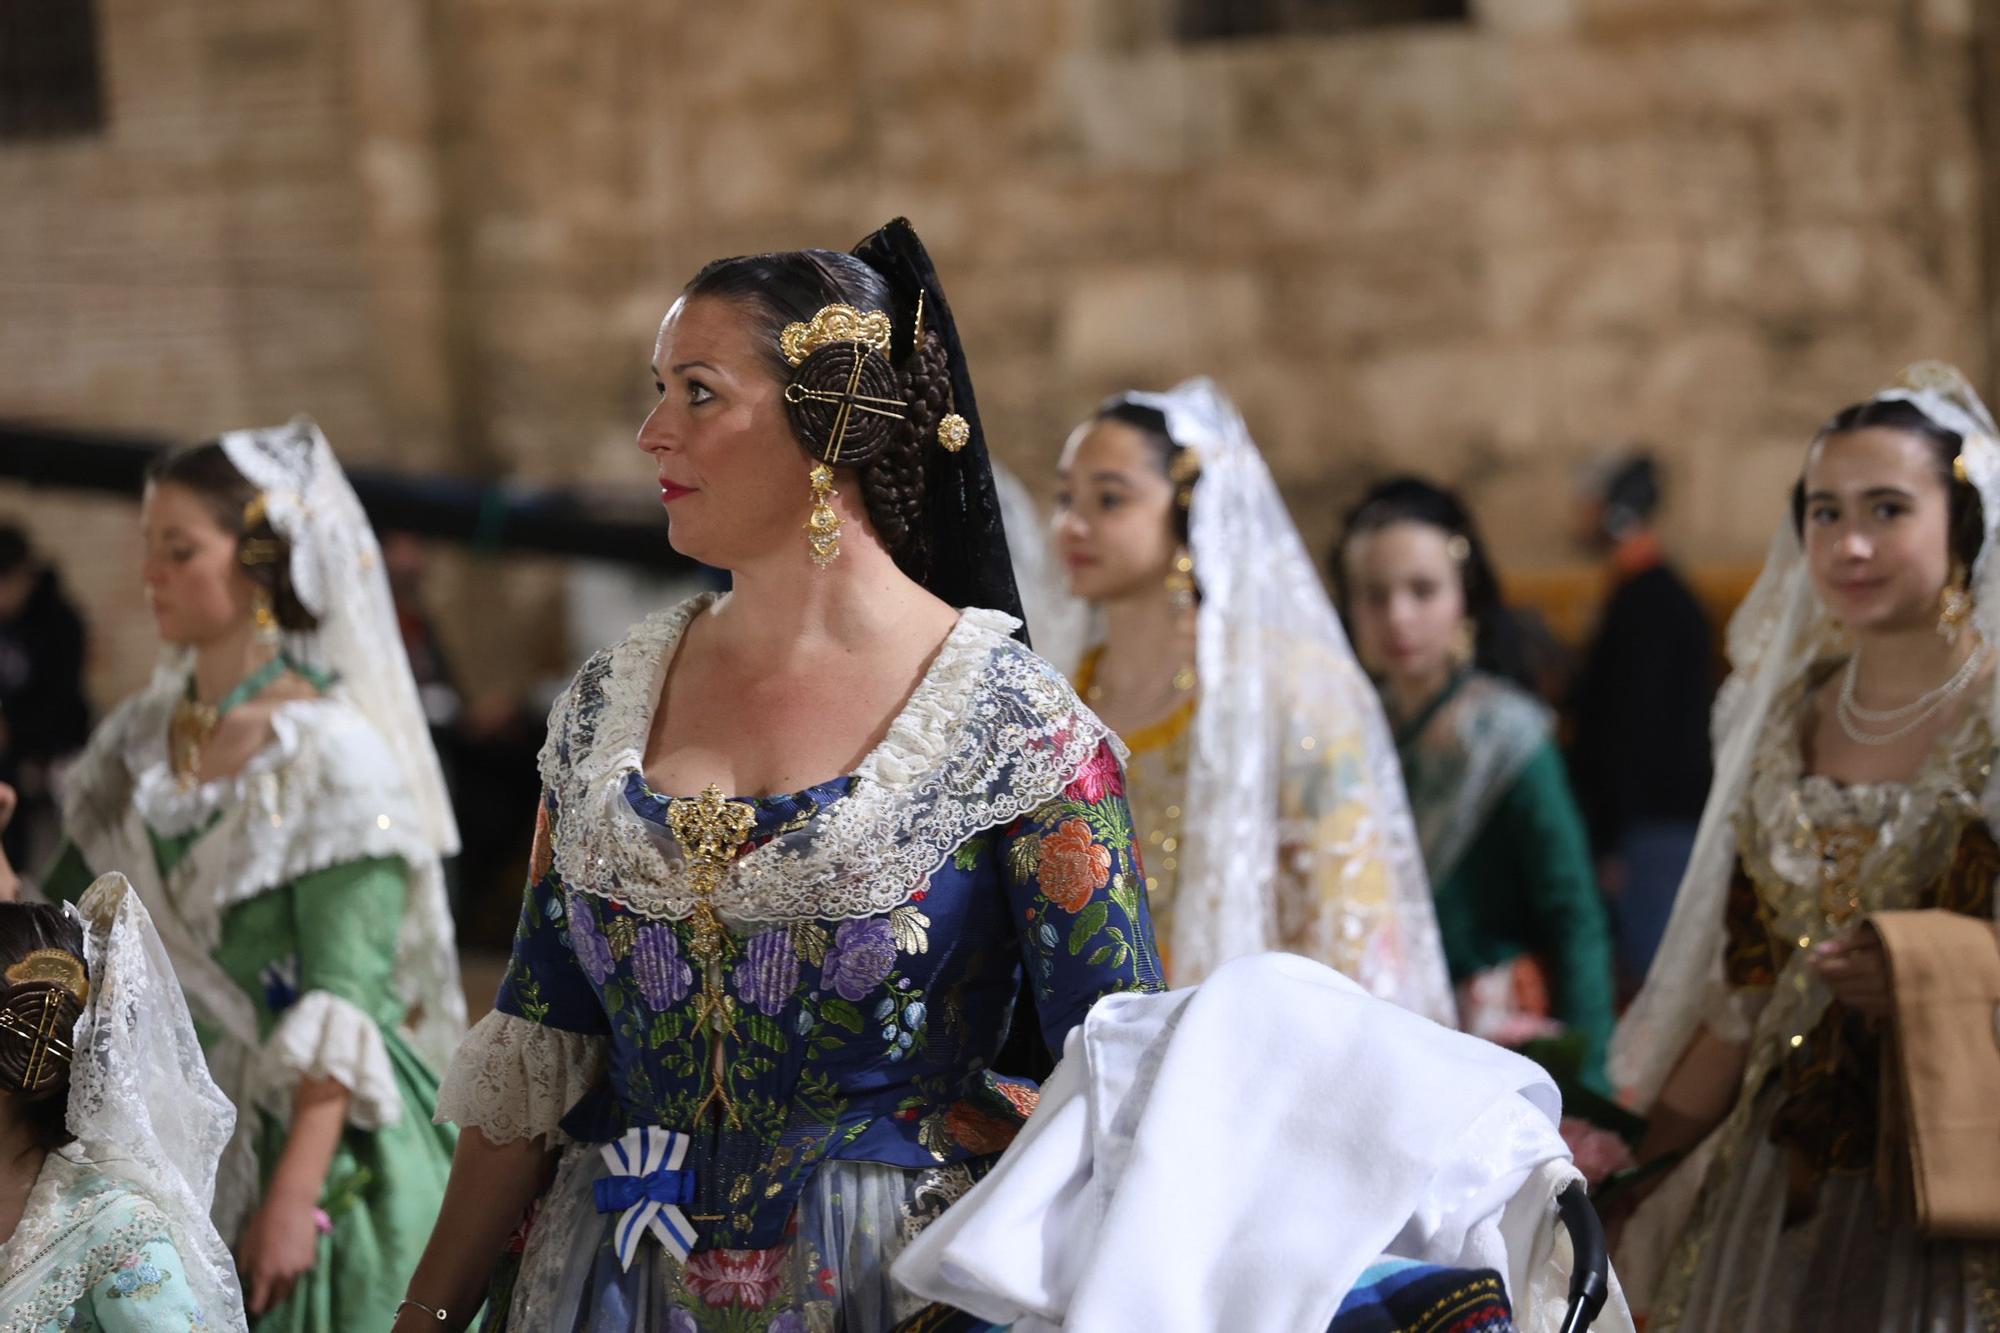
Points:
x=746 y=1046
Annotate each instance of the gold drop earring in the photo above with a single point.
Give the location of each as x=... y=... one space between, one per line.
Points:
x=823 y=525
x=1954 y=604
x=268 y=629
x=1180 y=581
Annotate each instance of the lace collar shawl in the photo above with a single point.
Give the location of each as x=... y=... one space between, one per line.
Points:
x=324 y=792
x=43 y=1270
x=990 y=733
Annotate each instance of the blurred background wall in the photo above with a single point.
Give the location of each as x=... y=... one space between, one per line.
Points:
x=1489 y=241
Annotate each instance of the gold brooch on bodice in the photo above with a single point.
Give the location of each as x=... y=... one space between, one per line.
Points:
x=711 y=829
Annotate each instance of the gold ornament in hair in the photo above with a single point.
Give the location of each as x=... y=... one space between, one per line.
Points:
x=257 y=550
x=1958 y=469
x=60 y=966
x=836 y=323
x=954 y=432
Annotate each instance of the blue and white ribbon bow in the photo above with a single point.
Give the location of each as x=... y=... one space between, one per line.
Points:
x=647 y=1188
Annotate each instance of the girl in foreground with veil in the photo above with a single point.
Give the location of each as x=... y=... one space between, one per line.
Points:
x=107 y=1108
x=1853 y=810
x=274 y=799
x=1263 y=782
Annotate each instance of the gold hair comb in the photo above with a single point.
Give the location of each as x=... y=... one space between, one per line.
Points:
x=835 y=324
x=55 y=965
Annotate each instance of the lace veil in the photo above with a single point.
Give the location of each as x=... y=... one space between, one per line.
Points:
x=336 y=569
x=141 y=1103
x=1269 y=649
x=1778 y=633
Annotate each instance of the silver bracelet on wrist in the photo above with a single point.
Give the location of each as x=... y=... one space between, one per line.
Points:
x=435 y=1312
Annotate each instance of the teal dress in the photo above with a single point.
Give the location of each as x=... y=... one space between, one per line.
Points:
x=91 y=1256
x=298 y=939
x=1525 y=929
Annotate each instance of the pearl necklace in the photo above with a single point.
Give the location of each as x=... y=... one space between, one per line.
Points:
x=1851 y=715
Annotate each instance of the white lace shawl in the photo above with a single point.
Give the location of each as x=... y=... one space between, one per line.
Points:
x=990 y=733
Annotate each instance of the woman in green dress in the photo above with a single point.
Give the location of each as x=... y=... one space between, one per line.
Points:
x=274 y=799
x=1525 y=932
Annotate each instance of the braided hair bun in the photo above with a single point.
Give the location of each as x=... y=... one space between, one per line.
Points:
x=41 y=1002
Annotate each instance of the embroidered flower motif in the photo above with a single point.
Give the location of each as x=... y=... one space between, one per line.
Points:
x=1074 y=865
x=977 y=1131
x=747 y=1278
x=769 y=972
x=544 y=854
x=1024 y=1097
x=593 y=951
x=859 y=958
x=791 y=1321
x=680 y=1321
x=664 y=977
x=136 y=1277
x=280 y=980
x=1097 y=779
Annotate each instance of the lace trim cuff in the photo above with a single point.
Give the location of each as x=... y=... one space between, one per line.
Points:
x=514 y=1079
x=324 y=1036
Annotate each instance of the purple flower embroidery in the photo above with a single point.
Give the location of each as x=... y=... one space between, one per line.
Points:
x=680 y=1321
x=664 y=976
x=769 y=972
x=859 y=959
x=593 y=951
x=791 y=1321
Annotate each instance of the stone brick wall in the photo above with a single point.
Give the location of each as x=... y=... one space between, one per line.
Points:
x=1487 y=252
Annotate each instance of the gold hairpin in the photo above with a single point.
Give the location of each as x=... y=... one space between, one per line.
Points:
x=835 y=324
x=1185 y=468
x=57 y=965
x=1958 y=470
x=257 y=550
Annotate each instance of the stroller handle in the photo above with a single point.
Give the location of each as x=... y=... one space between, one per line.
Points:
x=1590 y=1281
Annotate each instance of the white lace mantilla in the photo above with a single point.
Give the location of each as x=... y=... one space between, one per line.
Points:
x=990 y=733
x=516 y=1079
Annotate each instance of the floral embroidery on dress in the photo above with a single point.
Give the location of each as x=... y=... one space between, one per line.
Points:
x=136 y=1278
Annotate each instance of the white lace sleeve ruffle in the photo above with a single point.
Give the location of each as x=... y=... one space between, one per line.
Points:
x=515 y=1079
x=323 y=1036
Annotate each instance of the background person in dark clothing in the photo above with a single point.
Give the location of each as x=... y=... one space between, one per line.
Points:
x=44 y=717
x=1640 y=754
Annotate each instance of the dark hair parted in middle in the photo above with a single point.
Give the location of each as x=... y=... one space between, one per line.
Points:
x=1967 y=519
x=1496 y=645
x=790 y=287
x=206 y=470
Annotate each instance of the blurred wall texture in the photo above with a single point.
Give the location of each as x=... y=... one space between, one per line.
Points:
x=1488 y=247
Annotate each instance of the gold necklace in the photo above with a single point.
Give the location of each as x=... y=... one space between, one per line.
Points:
x=193 y=722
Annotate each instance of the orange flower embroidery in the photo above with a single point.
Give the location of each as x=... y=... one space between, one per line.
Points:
x=978 y=1132
x=544 y=854
x=1074 y=865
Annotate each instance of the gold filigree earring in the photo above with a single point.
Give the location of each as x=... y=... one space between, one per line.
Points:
x=1464 y=645
x=823 y=525
x=266 y=617
x=1180 y=580
x=1954 y=604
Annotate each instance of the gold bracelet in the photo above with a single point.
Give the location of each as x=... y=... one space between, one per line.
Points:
x=434 y=1312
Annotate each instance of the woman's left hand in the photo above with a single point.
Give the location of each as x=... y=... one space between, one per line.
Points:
x=280 y=1246
x=1857 y=972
